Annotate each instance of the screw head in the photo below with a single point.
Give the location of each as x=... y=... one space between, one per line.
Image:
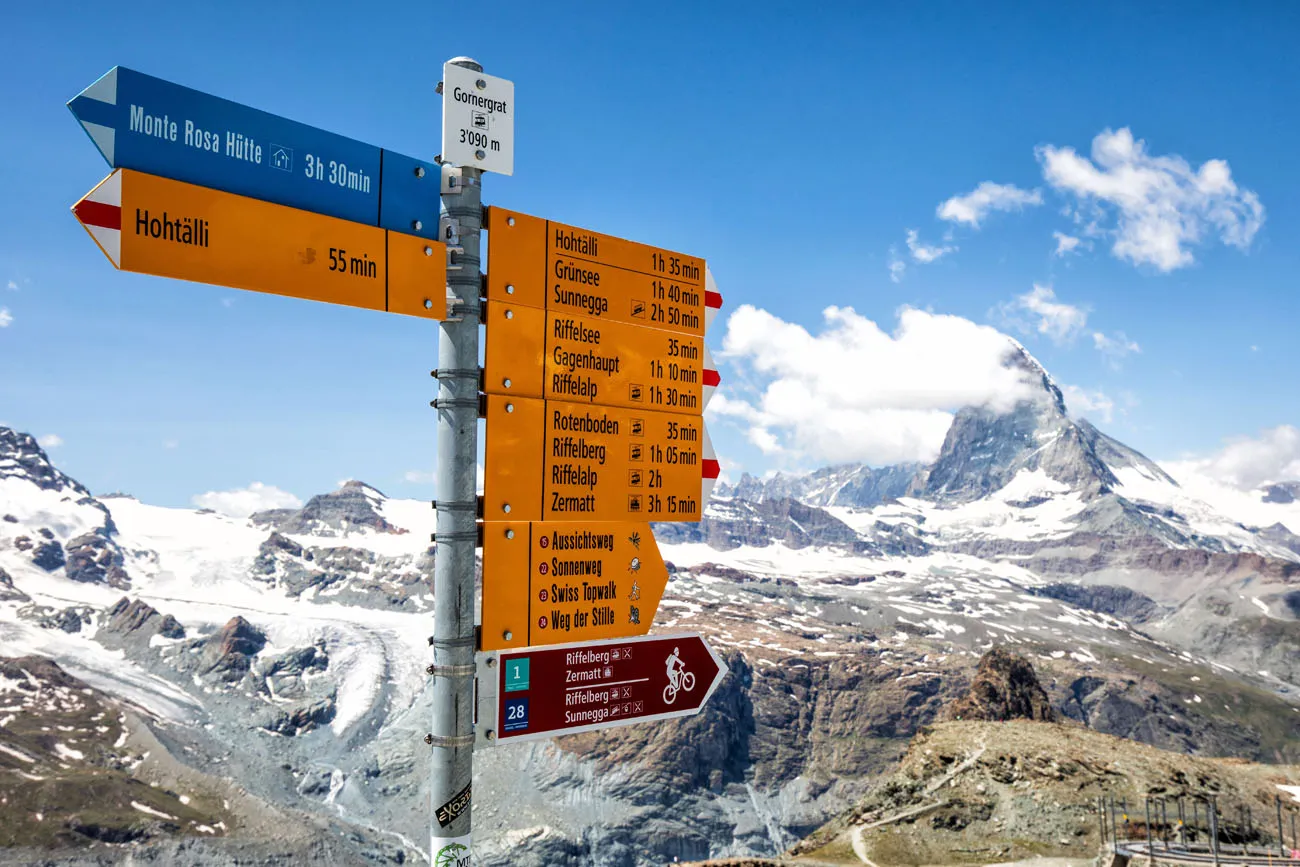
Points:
x=490 y=735
x=417 y=225
x=508 y=635
x=510 y=314
x=480 y=154
x=428 y=304
x=510 y=288
x=505 y=507
x=419 y=171
x=510 y=221
x=510 y=407
x=506 y=383
x=428 y=251
x=480 y=84
x=429 y=670
x=510 y=534
x=428 y=739
x=491 y=662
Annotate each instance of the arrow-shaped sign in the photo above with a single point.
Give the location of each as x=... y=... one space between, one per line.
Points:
x=152 y=225
x=543 y=692
x=564 y=581
x=150 y=125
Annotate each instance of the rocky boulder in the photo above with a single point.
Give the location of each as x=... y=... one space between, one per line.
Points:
x=1005 y=688
x=93 y=559
x=8 y=592
x=302 y=719
x=133 y=615
x=49 y=556
x=228 y=653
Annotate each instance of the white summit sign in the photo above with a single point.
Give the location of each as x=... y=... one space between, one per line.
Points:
x=478 y=120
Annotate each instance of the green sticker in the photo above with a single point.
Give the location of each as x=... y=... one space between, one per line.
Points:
x=516 y=674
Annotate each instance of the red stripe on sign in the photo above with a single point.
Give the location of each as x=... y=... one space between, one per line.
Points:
x=98 y=214
x=711 y=469
x=713 y=299
x=711 y=377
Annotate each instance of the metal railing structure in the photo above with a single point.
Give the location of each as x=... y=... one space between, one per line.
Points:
x=1199 y=829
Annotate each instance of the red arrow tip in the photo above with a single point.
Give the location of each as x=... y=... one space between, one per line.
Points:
x=98 y=214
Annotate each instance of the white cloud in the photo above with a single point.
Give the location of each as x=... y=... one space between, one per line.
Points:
x=854 y=392
x=1114 y=348
x=171 y=444
x=1038 y=310
x=1161 y=205
x=427 y=477
x=6 y=318
x=50 y=441
x=926 y=253
x=1247 y=463
x=242 y=502
x=897 y=267
x=1095 y=405
x=12 y=286
x=987 y=197
x=1065 y=243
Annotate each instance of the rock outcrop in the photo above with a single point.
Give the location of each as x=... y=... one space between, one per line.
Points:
x=1005 y=688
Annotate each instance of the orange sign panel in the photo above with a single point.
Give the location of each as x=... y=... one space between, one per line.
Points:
x=552 y=460
x=556 y=356
x=564 y=269
x=561 y=581
x=153 y=225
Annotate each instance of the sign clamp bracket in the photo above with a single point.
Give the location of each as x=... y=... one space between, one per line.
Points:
x=485 y=709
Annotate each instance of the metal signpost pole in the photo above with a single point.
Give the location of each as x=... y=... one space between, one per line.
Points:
x=453 y=640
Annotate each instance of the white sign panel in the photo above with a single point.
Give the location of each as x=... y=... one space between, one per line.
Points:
x=478 y=120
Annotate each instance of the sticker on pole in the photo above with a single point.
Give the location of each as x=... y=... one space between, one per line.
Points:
x=452 y=852
x=478 y=120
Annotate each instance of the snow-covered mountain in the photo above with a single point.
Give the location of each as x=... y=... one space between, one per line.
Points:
x=283 y=654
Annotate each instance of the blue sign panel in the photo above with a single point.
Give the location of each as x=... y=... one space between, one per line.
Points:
x=516 y=716
x=150 y=125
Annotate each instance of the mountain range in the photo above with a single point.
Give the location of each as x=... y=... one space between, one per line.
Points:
x=256 y=686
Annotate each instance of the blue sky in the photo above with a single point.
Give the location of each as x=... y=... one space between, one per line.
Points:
x=792 y=145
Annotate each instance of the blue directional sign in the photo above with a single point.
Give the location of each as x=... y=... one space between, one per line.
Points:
x=150 y=125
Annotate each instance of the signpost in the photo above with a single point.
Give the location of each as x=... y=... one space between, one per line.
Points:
x=556 y=461
x=536 y=353
x=545 y=583
x=552 y=266
x=596 y=374
x=571 y=688
x=152 y=225
x=150 y=125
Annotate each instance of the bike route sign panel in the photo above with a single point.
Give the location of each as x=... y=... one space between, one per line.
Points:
x=571 y=688
x=151 y=125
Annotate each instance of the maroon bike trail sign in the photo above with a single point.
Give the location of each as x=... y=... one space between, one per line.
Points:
x=560 y=689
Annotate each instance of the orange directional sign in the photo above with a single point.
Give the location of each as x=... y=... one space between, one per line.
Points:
x=555 y=461
x=552 y=582
x=536 y=353
x=564 y=269
x=153 y=225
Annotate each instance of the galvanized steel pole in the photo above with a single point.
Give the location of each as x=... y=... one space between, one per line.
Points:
x=452 y=736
